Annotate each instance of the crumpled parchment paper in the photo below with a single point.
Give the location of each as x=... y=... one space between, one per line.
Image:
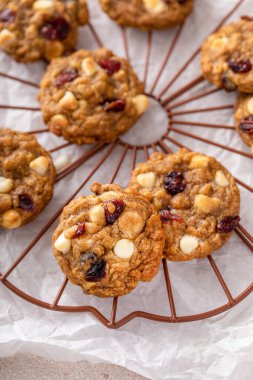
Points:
x=217 y=348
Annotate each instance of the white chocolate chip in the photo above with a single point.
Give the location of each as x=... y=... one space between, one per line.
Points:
x=97 y=215
x=59 y=121
x=6 y=36
x=11 y=219
x=155 y=6
x=219 y=43
x=141 y=103
x=146 y=180
x=62 y=244
x=6 y=184
x=250 y=106
x=221 y=179
x=124 y=249
x=89 y=66
x=188 y=243
x=206 y=204
x=61 y=162
x=40 y=165
x=199 y=161
x=68 y=101
x=43 y=5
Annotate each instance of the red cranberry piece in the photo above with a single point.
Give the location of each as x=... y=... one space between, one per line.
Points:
x=228 y=224
x=246 y=124
x=117 y=105
x=247 y=18
x=166 y=216
x=118 y=207
x=88 y=256
x=56 y=29
x=228 y=85
x=174 y=183
x=25 y=202
x=7 y=16
x=242 y=66
x=96 y=271
x=111 y=66
x=80 y=231
x=65 y=76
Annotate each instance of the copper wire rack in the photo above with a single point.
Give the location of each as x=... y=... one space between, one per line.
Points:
x=170 y=103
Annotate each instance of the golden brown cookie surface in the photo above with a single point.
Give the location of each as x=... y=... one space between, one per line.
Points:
x=227 y=57
x=244 y=118
x=108 y=242
x=197 y=199
x=35 y=29
x=91 y=96
x=26 y=178
x=148 y=14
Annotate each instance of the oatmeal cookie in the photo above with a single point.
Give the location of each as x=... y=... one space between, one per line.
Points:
x=244 y=118
x=108 y=242
x=35 y=29
x=148 y=14
x=26 y=178
x=197 y=199
x=91 y=96
x=227 y=56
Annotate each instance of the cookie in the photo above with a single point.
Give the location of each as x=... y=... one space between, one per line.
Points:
x=197 y=199
x=26 y=178
x=35 y=29
x=148 y=14
x=91 y=96
x=108 y=242
x=244 y=118
x=227 y=57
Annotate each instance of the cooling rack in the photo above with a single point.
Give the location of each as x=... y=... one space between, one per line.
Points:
x=171 y=103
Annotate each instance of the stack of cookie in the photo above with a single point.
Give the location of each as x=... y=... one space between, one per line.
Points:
x=227 y=62
x=180 y=206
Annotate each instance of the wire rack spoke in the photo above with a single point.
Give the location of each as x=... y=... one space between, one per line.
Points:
x=59 y=293
x=60 y=147
x=23 y=108
x=249 y=155
x=221 y=280
x=169 y=291
x=191 y=99
x=200 y=110
x=183 y=89
x=77 y=163
x=167 y=57
x=199 y=124
x=148 y=53
x=119 y=163
x=95 y=35
x=125 y=43
x=24 y=81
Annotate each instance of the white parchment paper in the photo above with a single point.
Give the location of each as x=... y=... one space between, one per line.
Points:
x=217 y=348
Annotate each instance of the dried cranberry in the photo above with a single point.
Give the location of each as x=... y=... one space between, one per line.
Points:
x=246 y=124
x=166 y=216
x=174 y=183
x=111 y=66
x=96 y=271
x=228 y=85
x=56 y=29
x=7 y=15
x=25 y=202
x=65 y=76
x=228 y=224
x=80 y=231
x=117 y=105
x=88 y=256
x=118 y=207
x=242 y=66
x=247 y=18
